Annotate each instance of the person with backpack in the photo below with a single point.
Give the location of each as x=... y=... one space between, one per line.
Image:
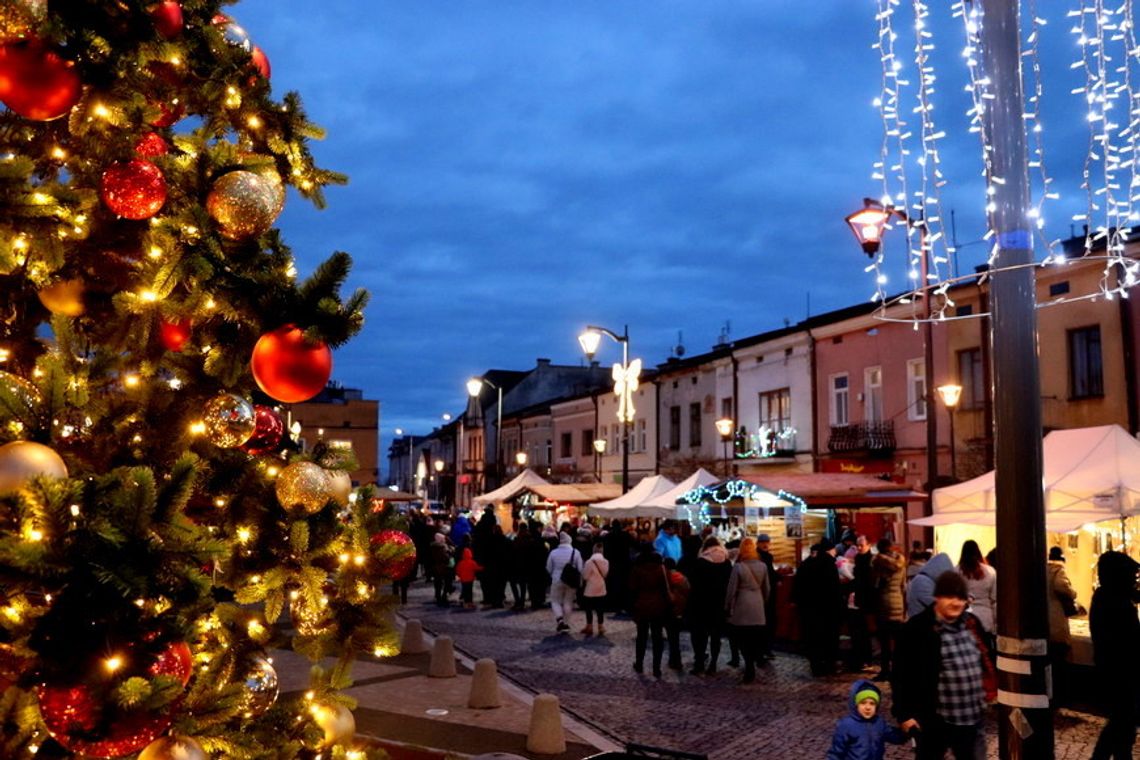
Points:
x=564 y=566
x=593 y=601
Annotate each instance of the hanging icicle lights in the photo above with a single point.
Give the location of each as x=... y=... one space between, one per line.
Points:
x=926 y=237
x=1108 y=54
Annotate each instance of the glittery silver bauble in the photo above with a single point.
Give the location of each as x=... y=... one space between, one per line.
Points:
x=19 y=18
x=243 y=203
x=304 y=487
x=229 y=420
x=173 y=748
x=21 y=461
x=340 y=483
x=260 y=685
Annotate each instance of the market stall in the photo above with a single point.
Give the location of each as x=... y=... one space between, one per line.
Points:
x=665 y=505
x=634 y=502
x=501 y=498
x=555 y=503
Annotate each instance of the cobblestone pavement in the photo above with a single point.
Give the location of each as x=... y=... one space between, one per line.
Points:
x=785 y=714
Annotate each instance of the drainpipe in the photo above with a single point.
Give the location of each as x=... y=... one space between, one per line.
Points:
x=1128 y=339
x=735 y=407
x=814 y=405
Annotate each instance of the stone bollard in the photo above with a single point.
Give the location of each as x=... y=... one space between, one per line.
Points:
x=484 y=686
x=545 y=736
x=442 y=659
x=413 y=641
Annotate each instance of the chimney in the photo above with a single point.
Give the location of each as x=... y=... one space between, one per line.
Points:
x=541 y=362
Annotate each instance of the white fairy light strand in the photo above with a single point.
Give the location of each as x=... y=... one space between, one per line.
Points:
x=1036 y=129
x=894 y=127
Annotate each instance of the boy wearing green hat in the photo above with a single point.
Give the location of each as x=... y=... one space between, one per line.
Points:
x=863 y=734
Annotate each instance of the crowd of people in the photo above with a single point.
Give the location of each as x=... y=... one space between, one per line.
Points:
x=932 y=619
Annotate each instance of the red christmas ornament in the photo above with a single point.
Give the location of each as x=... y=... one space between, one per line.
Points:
x=260 y=61
x=173 y=334
x=395 y=552
x=35 y=82
x=133 y=189
x=289 y=368
x=85 y=725
x=176 y=662
x=167 y=17
x=151 y=145
x=168 y=114
x=267 y=432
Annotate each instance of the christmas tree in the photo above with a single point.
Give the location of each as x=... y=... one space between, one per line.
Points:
x=160 y=530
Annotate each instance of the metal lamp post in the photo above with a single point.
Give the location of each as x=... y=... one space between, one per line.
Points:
x=867 y=223
x=474 y=388
x=950 y=394
x=599 y=451
x=625 y=383
x=724 y=426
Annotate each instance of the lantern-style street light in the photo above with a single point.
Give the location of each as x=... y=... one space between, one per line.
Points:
x=625 y=383
x=599 y=452
x=474 y=388
x=951 y=394
x=724 y=426
x=868 y=224
x=520 y=459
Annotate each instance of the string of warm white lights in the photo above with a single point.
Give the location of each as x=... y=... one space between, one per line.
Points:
x=1107 y=57
x=893 y=127
x=1036 y=129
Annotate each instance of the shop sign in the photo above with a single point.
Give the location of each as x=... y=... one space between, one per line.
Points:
x=793 y=523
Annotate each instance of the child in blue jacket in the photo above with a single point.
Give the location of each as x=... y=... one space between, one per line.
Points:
x=863 y=734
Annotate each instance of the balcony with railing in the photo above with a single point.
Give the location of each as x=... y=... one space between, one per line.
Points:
x=868 y=438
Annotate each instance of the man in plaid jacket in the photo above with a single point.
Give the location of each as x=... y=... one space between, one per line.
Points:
x=937 y=688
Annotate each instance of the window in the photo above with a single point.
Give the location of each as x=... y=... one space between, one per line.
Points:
x=642 y=436
x=840 y=394
x=675 y=428
x=1059 y=288
x=1086 y=376
x=971 y=378
x=964 y=310
x=588 y=442
x=873 y=394
x=726 y=407
x=776 y=410
x=695 y=425
x=916 y=389
x=566 y=446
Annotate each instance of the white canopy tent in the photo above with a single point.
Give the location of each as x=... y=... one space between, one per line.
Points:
x=1089 y=475
x=665 y=505
x=631 y=503
x=520 y=483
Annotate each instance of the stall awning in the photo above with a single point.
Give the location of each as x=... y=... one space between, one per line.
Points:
x=520 y=483
x=834 y=489
x=1089 y=475
x=574 y=493
x=631 y=503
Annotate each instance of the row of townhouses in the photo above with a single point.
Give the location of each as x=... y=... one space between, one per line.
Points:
x=845 y=391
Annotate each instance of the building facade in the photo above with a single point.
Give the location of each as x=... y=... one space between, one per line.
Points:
x=342 y=416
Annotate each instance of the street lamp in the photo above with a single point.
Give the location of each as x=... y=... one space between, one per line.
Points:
x=520 y=459
x=625 y=383
x=868 y=223
x=437 y=465
x=474 y=387
x=950 y=394
x=724 y=426
x=599 y=452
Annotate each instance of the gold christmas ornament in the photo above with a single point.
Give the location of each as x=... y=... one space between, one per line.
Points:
x=340 y=484
x=304 y=487
x=173 y=748
x=64 y=297
x=243 y=203
x=336 y=721
x=229 y=420
x=19 y=18
x=19 y=399
x=21 y=461
x=261 y=685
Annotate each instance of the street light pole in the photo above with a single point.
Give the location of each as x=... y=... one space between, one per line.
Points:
x=625 y=382
x=474 y=387
x=950 y=394
x=1024 y=718
x=724 y=426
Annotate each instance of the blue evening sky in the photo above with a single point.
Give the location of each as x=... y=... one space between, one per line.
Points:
x=519 y=169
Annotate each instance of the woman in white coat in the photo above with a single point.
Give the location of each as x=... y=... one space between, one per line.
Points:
x=594 y=574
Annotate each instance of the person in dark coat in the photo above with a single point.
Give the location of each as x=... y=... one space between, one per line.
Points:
x=537 y=581
x=815 y=591
x=521 y=547
x=650 y=606
x=439 y=561
x=1115 y=633
x=618 y=549
x=709 y=583
x=859 y=618
x=496 y=560
x=938 y=683
x=481 y=543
